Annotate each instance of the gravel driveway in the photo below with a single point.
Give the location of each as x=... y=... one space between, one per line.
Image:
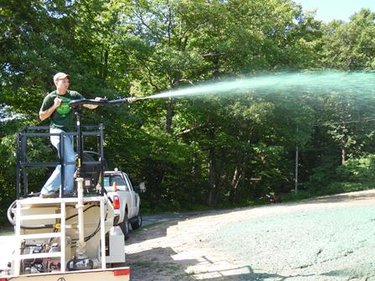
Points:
x=329 y=238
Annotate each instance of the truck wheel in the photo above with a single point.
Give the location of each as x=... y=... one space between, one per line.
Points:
x=125 y=226
x=137 y=222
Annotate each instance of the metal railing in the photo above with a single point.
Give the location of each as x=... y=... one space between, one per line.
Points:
x=90 y=168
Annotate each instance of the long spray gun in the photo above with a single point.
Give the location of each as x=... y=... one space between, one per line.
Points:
x=76 y=104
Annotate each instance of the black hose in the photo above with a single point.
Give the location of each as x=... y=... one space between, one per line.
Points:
x=11 y=219
x=10 y=214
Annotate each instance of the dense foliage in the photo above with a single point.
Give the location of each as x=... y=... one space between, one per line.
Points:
x=226 y=150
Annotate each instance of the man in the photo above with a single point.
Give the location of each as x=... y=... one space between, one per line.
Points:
x=55 y=107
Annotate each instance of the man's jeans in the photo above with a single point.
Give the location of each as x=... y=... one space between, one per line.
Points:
x=54 y=182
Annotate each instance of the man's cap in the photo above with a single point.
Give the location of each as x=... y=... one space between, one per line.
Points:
x=60 y=75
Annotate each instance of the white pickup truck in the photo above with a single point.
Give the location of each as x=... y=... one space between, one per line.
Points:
x=125 y=199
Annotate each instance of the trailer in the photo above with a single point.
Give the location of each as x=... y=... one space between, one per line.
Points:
x=66 y=238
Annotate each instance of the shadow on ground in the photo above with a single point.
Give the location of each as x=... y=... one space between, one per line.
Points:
x=168 y=269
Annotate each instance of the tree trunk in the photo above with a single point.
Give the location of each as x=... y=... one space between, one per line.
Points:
x=169 y=117
x=104 y=70
x=157 y=188
x=212 y=173
x=237 y=175
x=344 y=143
x=212 y=176
x=343 y=156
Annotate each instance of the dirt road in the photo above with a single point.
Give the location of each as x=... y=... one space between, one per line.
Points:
x=329 y=238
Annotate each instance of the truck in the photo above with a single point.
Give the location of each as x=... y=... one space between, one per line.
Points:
x=70 y=238
x=125 y=199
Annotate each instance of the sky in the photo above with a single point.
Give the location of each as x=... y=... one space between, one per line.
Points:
x=328 y=10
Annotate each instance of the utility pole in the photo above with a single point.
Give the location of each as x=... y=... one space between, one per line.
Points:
x=296 y=171
x=296 y=167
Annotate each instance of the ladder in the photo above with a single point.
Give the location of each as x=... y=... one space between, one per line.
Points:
x=24 y=213
x=45 y=210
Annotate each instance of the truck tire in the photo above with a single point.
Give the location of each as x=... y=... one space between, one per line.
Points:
x=136 y=222
x=125 y=226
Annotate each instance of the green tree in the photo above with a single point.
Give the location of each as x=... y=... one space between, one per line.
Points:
x=350 y=46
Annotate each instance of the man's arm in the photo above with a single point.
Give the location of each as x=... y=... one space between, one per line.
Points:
x=92 y=106
x=43 y=115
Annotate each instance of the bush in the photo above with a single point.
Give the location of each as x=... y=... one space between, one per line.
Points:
x=358 y=170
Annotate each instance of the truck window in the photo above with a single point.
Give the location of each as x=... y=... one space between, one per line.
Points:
x=109 y=180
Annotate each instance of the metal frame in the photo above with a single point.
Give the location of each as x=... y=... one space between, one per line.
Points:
x=23 y=214
x=24 y=164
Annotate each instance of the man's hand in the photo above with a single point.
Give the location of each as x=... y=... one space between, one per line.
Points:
x=131 y=99
x=43 y=115
x=56 y=102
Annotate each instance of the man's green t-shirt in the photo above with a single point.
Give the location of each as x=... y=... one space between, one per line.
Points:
x=62 y=117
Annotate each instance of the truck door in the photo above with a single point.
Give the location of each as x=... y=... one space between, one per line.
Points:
x=132 y=197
